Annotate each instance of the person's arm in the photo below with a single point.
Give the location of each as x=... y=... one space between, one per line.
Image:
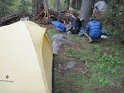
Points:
x=85 y=33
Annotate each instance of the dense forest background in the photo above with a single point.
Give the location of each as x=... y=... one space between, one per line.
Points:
x=113 y=16
x=25 y=6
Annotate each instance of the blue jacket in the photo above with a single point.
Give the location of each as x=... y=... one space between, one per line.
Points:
x=94 y=29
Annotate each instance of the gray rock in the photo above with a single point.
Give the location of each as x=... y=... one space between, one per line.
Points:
x=59 y=39
x=70 y=65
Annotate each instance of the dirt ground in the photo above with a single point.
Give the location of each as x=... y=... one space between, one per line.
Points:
x=77 y=79
x=81 y=68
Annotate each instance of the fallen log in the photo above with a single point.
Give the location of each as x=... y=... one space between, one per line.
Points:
x=9 y=19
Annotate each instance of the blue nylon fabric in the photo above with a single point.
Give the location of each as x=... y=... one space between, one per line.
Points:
x=94 y=29
x=59 y=25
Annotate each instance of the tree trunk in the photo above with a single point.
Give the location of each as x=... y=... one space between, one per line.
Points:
x=58 y=5
x=68 y=4
x=86 y=10
x=45 y=4
x=118 y=1
x=76 y=4
x=37 y=7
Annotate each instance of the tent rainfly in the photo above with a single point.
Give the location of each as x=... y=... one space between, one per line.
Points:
x=25 y=59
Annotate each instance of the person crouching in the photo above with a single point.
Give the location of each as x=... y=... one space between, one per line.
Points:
x=93 y=30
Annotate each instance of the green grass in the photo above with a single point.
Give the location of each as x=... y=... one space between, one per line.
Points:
x=72 y=82
x=52 y=32
x=103 y=63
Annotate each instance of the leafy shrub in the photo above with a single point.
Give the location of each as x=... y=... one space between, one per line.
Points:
x=24 y=7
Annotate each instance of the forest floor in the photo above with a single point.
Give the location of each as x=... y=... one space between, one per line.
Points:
x=98 y=67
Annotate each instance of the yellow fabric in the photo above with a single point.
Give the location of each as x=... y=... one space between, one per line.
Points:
x=25 y=59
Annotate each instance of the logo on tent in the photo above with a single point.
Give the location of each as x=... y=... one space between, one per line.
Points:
x=6 y=80
x=7 y=76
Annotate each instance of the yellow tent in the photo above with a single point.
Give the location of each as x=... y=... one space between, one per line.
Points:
x=25 y=59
